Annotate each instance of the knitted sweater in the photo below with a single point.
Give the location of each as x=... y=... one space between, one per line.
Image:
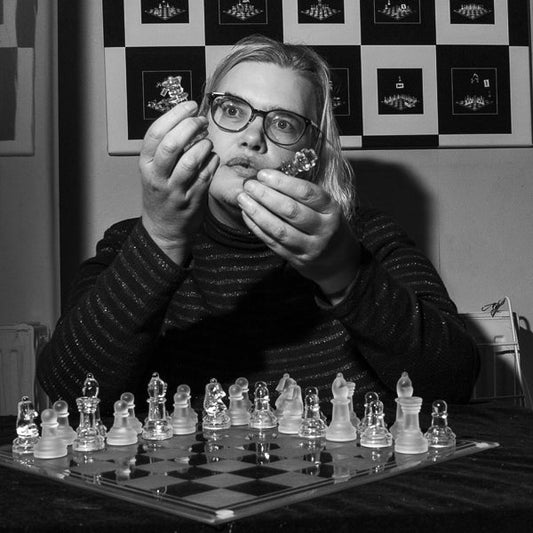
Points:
x=237 y=309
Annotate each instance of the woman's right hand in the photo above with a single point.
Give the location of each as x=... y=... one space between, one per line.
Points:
x=176 y=170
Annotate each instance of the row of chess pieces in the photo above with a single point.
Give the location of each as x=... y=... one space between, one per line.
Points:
x=293 y=414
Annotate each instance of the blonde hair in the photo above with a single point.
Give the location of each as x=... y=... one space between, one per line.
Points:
x=333 y=173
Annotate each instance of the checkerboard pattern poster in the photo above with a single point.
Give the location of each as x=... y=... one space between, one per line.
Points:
x=409 y=73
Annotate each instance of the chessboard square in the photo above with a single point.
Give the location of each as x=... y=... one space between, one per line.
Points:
x=471 y=30
x=417 y=66
x=227 y=21
x=165 y=32
x=402 y=22
x=259 y=471
x=258 y=487
x=234 y=453
x=170 y=454
x=159 y=467
x=225 y=465
x=222 y=480
x=192 y=473
x=292 y=464
x=152 y=482
x=114 y=453
x=295 y=479
x=319 y=470
x=342 y=28
x=218 y=498
x=93 y=468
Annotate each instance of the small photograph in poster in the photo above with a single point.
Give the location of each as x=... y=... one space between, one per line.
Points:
x=397 y=11
x=474 y=91
x=239 y=12
x=163 y=89
x=480 y=12
x=400 y=91
x=165 y=11
x=318 y=12
x=340 y=91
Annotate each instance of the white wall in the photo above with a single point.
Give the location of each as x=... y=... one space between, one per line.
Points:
x=29 y=275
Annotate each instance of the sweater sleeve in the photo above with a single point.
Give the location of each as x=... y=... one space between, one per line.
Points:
x=402 y=318
x=113 y=316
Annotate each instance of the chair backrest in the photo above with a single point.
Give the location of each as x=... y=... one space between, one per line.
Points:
x=496 y=332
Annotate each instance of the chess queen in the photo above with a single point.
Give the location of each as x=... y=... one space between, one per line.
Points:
x=234 y=268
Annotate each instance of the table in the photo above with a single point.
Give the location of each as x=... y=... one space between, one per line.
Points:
x=488 y=491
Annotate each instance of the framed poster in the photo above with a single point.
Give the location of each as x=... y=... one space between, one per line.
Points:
x=17 y=35
x=404 y=73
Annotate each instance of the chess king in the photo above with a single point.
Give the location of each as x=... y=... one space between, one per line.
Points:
x=235 y=268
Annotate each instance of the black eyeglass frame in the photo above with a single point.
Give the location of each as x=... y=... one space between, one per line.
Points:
x=259 y=112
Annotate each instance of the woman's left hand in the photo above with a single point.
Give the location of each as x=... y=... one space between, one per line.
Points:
x=300 y=222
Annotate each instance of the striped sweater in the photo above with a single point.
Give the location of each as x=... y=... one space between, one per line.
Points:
x=237 y=309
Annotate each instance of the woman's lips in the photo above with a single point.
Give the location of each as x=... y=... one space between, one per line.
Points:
x=243 y=167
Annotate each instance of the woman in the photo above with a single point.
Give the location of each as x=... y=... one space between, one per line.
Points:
x=237 y=269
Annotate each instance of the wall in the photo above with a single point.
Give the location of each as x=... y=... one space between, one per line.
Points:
x=29 y=274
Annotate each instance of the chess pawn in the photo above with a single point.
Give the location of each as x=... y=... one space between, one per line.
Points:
x=238 y=412
x=27 y=430
x=88 y=436
x=376 y=434
x=292 y=409
x=91 y=388
x=245 y=387
x=370 y=397
x=182 y=421
x=121 y=433
x=157 y=425
x=340 y=428
x=354 y=419
x=50 y=445
x=262 y=416
x=439 y=434
x=312 y=425
x=404 y=389
x=187 y=391
x=133 y=421
x=64 y=429
x=410 y=439
x=215 y=410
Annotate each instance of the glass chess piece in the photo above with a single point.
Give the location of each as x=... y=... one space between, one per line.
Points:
x=262 y=416
x=157 y=425
x=133 y=421
x=370 y=397
x=376 y=434
x=27 y=430
x=215 y=410
x=302 y=163
x=121 y=433
x=439 y=434
x=411 y=439
x=50 y=445
x=64 y=429
x=312 y=425
x=185 y=389
x=354 y=419
x=238 y=409
x=340 y=428
x=245 y=387
x=290 y=407
x=182 y=421
x=91 y=388
x=404 y=389
x=88 y=435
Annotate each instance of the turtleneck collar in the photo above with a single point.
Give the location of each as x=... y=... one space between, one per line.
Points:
x=229 y=236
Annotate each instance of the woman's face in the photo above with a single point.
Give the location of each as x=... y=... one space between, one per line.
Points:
x=264 y=86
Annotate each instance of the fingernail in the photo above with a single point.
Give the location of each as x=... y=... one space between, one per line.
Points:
x=189 y=105
x=243 y=200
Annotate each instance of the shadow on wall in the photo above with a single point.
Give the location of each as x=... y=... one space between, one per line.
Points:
x=525 y=338
x=397 y=192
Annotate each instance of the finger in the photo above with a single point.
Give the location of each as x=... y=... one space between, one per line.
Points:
x=275 y=232
x=303 y=191
x=172 y=144
x=191 y=162
x=204 y=177
x=164 y=124
x=289 y=209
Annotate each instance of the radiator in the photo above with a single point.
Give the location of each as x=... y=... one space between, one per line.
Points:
x=20 y=345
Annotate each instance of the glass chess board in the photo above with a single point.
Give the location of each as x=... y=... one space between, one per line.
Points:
x=230 y=474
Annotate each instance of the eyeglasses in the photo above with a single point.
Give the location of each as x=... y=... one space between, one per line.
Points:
x=232 y=113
